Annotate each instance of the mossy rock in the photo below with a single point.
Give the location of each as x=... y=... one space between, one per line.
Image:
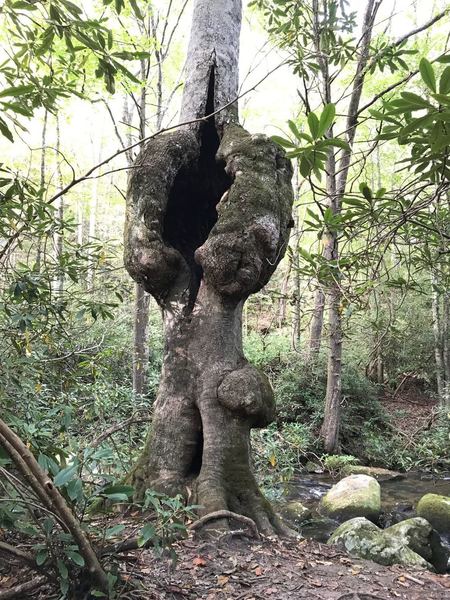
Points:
x=353 y=496
x=312 y=467
x=395 y=545
x=377 y=472
x=295 y=511
x=418 y=534
x=435 y=509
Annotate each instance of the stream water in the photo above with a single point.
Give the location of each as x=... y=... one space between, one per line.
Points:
x=398 y=498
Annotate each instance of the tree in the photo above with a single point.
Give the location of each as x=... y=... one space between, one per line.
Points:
x=320 y=35
x=208 y=219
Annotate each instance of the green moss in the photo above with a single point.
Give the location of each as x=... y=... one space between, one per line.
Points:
x=363 y=539
x=435 y=509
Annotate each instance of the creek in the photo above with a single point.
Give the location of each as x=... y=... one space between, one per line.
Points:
x=399 y=497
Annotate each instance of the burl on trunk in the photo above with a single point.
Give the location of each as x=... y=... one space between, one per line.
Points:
x=208 y=218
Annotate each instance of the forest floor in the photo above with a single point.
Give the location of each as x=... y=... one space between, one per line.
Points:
x=237 y=568
x=240 y=569
x=410 y=410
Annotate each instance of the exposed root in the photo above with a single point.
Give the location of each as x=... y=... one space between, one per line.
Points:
x=225 y=514
x=18 y=591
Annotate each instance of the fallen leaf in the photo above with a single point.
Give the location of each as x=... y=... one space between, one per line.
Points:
x=222 y=579
x=258 y=571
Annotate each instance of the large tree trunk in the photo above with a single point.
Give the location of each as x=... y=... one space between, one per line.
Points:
x=208 y=218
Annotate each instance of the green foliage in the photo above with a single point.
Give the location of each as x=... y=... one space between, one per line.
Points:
x=335 y=463
x=79 y=46
x=279 y=452
x=319 y=143
x=426 y=134
x=427 y=451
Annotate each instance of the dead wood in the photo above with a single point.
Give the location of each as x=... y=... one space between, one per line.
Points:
x=52 y=499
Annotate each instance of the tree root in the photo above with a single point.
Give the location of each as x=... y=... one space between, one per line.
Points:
x=226 y=514
x=20 y=554
x=19 y=590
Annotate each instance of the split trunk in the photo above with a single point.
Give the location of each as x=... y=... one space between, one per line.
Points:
x=208 y=218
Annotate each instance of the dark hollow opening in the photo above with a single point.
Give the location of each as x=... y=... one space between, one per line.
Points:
x=191 y=210
x=196 y=463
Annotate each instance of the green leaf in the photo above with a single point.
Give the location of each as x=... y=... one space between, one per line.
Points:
x=113 y=531
x=17 y=90
x=137 y=11
x=339 y=143
x=415 y=101
x=65 y=475
x=282 y=141
x=366 y=191
x=62 y=569
x=117 y=497
x=427 y=73
x=4 y=130
x=444 y=82
x=147 y=533
x=305 y=167
x=75 y=557
x=294 y=129
x=414 y=125
x=313 y=123
x=41 y=557
x=127 y=490
x=326 y=119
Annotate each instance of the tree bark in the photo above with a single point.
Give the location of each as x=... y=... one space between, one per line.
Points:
x=208 y=218
x=42 y=181
x=336 y=186
x=141 y=348
x=437 y=332
x=58 y=284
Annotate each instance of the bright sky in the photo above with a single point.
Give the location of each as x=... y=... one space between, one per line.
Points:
x=265 y=109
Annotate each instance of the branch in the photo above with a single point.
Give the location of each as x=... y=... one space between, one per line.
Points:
x=27 y=464
x=28 y=558
x=117 y=427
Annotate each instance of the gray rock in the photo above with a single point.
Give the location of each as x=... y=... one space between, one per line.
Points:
x=296 y=512
x=377 y=472
x=412 y=543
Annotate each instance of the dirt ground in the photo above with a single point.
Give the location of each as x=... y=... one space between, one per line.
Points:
x=236 y=568
x=280 y=570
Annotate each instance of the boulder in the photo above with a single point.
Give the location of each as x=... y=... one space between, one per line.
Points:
x=296 y=512
x=377 y=472
x=435 y=509
x=353 y=496
x=412 y=543
x=419 y=535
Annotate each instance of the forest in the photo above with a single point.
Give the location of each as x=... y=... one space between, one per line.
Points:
x=225 y=299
